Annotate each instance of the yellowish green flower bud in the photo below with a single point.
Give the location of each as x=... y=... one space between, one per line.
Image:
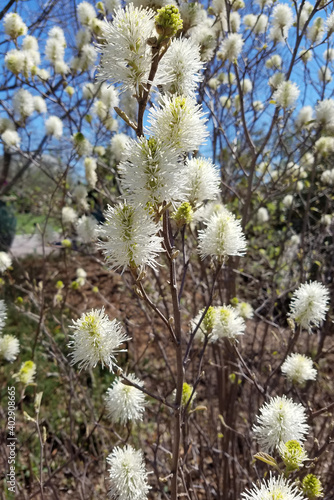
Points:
x=186 y=394
x=312 y=487
x=293 y=455
x=59 y=285
x=66 y=243
x=26 y=373
x=75 y=285
x=69 y=90
x=168 y=21
x=19 y=300
x=209 y=320
x=100 y=8
x=95 y=289
x=183 y=215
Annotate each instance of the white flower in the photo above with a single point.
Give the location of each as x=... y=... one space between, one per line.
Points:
x=262 y=215
x=179 y=121
x=27 y=373
x=330 y=24
x=3 y=314
x=55 y=45
x=298 y=368
x=324 y=113
x=324 y=145
x=54 y=126
x=118 y=143
x=109 y=96
x=39 y=104
x=14 y=26
x=286 y=94
x=274 y=488
x=14 y=60
x=316 y=32
x=96 y=339
x=309 y=304
x=87 y=57
x=87 y=229
x=206 y=211
x=258 y=24
x=223 y=236
x=231 y=47
x=181 y=66
x=5 y=261
x=86 y=13
x=68 y=215
x=305 y=115
x=131 y=237
x=203 y=180
x=80 y=194
x=23 y=103
x=89 y=90
x=280 y=420
x=204 y=35
x=275 y=80
x=9 y=347
x=90 y=171
x=329 y=55
x=324 y=74
x=287 y=201
x=82 y=145
x=228 y=323
x=305 y=55
x=125 y=402
x=151 y=173
x=327 y=177
x=245 y=310
x=82 y=37
x=282 y=22
x=11 y=138
x=274 y=62
x=128 y=476
x=126 y=56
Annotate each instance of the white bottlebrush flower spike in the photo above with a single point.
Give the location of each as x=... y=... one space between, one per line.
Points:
x=14 y=26
x=151 y=173
x=274 y=488
x=68 y=215
x=5 y=261
x=9 y=347
x=286 y=94
x=231 y=47
x=3 y=314
x=181 y=66
x=203 y=180
x=126 y=56
x=118 y=143
x=96 y=339
x=228 y=323
x=222 y=237
x=324 y=113
x=279 y=421
x=87 y=228
x=23 y=103
x=54 y=126
x=298 y=368
x=39 y=104
x=309 y=304
x=86 y=13
x=125 y=402
x=128 y=476
x=131 y=237
x=178 y=121
x=11 y=138
x=245 y=310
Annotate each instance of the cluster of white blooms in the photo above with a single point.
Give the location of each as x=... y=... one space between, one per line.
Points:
x=151 y=173
x=316 y=32
x=182 y=77
x=11 y=138
x=309 y=304
x=14 y=26
x=96 y=339
x=55 y=50
x=280 y=420
x=219 y=322
x=86 y=13
x=5 y=261
x=125 y=402
x=126 y=57
x=324 y=74
x=87 y=228
x=54 y=127
x=129 y=237
x=286 y=94
x=258 y=24
x=305 y=116
x=262 y=215
x=282 y=20
x=299 y=368
x=223 y=236
x=231 y=47
x=203 y=180
x=273 y=488
x=245 y=310
x=327 y=177
x=287 y=201
x=23 y=103
x=3 y=314
x=9 y=346
x=180 y=123
x=82 y=145
x=90 y=171
x=118 y=143
x=324 y=113
x=128 y=477
x=68 y=215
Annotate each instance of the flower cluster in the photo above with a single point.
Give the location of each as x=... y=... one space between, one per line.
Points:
x=125 y=402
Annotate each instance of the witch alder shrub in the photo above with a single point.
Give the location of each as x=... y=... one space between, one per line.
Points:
x=202 y=141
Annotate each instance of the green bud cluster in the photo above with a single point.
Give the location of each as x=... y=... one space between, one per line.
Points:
x=184 y=214
x=186 y=394
x=168 y=21
x=209 y=320
x=311 y=486
x=293 y=455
